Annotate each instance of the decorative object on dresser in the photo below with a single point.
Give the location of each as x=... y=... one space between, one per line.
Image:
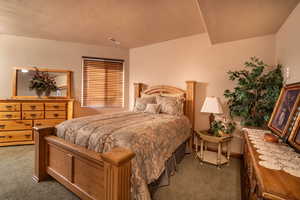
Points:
x=284 y=110
x=77 y=167
x=269 y=137
x=18 y=116
x=294 y=138
x=43 y=82
x=212 y=105
x=212 y=157
x=270 y=170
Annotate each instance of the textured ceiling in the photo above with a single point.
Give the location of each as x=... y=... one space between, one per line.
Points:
x=137 y=23
x=132 y=22
x=230 y=20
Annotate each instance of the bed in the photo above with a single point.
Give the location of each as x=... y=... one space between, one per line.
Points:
x=126 y=154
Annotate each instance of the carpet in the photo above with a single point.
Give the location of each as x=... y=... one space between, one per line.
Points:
x=192 y=181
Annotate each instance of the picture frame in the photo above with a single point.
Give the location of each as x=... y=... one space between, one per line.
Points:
x=294 y=138
x=284 y=110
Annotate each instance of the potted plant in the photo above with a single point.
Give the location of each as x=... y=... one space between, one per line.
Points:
x=256 y=92
x=42 y=82
x=222 y=128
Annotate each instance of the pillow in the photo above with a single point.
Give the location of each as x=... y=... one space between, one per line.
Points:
x=141 y=103
x=149 y=96
x=171 y=105
x=152 y=108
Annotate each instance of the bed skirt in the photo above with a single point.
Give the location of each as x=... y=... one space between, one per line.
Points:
x=171 y=168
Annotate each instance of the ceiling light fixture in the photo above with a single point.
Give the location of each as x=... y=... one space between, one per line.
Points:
x=114 y=40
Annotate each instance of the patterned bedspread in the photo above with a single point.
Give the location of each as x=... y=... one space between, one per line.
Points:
x=152 y=137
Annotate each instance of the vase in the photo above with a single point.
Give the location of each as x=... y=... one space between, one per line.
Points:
x=47 y=93
x=39 y=93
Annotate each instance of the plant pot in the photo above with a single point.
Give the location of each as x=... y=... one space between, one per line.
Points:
x=39 y=93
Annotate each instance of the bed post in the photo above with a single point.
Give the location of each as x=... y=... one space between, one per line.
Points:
x=137 y=90
x=117 y=174
x=40 y=133
x=190 y=106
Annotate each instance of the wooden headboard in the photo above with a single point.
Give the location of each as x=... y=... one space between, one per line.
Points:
x=189 y=94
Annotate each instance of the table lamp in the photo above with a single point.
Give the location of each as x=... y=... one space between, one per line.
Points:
x=212 y=105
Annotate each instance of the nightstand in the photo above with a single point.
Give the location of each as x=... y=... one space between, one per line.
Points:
x=209 y=156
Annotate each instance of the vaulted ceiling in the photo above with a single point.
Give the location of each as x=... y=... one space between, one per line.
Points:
x=230 y=20
x=141 y=22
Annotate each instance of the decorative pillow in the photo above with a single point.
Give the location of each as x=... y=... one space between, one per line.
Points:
x=152 y=108
x=170 y=105
x=141 y=103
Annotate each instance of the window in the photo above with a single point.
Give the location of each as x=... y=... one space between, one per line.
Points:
x=102 y=83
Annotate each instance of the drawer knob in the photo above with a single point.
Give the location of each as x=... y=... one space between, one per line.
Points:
x=33 y=115
x=9 y=116
x=2 y=126
x=8 y=107
x=38 y=124
x=33 y=107
x=9 y=136
x=28 y=124
x=56 y=106
x=27 y=135
x=56 y=115
x=2 y=136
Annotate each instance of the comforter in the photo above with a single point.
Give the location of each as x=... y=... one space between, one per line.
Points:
x=152 y=137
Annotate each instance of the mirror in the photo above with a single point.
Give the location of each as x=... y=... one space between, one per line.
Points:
x=41 y=83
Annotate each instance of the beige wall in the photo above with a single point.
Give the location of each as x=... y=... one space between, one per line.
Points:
x=194 y=58
x=288 y=45
x=22 y=51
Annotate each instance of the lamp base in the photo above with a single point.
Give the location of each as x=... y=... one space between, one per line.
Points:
x=211 y=120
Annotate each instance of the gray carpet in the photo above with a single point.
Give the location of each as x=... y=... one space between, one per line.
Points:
x=192 y=181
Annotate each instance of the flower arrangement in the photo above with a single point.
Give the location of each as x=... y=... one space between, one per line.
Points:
x=221 y=128
x=42 y=82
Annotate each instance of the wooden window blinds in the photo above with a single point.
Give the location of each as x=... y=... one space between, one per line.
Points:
x=103 y=83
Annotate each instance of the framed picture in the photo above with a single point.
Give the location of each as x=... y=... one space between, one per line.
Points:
x=285 y=109
x=294 y=138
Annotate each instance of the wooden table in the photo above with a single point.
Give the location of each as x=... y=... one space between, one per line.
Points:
x=263 y=183
x=209 y=156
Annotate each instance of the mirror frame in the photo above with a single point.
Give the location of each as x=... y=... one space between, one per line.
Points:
x=15 y=83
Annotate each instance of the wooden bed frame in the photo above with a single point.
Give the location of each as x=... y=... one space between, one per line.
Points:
x=89 y=174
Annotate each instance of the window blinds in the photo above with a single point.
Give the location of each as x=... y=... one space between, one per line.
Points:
x=102 y=83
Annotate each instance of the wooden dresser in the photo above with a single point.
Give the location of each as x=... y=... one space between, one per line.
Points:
x=263 y=183
x=18 y=116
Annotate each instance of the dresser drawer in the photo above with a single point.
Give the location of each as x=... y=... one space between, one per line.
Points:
x=14 y=136
x=55 y=106
x=33 y=115
x=9 y=107
x=32 y=106
x=15 y=125
x=55 y=115
x=10 y=115
x=48 y=122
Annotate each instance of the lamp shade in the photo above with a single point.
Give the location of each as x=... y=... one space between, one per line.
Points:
x=212 y=105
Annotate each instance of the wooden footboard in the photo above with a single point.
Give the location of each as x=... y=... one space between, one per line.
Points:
x=88 y=174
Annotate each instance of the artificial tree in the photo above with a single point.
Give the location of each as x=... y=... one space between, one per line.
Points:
x=256 y=93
